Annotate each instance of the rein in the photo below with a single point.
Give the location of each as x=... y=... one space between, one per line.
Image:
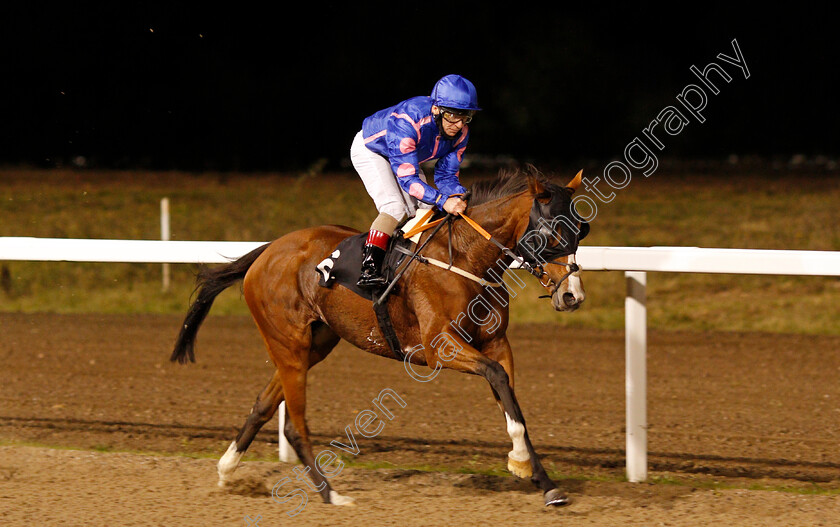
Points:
x=380 y=304
x=535 y=270
x=437 y=224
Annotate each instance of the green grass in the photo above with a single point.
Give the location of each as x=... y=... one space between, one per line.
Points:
x=726 y=208
x=809 y=489
x=696 y=482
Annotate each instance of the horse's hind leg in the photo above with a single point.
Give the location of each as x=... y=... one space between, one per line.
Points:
x=296 y=429
x=323 y=341
x=261 y=413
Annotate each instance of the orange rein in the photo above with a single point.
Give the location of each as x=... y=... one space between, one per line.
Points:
x=423 y=227
x=573 y=184
x=534 y=270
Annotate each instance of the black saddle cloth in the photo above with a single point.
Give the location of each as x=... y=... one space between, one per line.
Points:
x=344 y=265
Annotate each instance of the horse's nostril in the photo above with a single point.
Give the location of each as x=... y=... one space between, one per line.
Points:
x=569 y=299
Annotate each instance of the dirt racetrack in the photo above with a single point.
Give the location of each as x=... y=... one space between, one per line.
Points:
x=744 y=430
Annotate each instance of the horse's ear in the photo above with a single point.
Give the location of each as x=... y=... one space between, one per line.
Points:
x=575 y=182
x=535 y=186
x=539 y=190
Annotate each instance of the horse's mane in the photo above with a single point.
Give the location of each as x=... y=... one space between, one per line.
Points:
x=507 y=183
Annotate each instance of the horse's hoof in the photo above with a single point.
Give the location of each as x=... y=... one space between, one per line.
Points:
x=338 y=499
x=555 y=498
x=521 y=469
x=228 y=463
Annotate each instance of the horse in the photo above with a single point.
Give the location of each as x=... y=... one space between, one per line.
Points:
x=532 y=222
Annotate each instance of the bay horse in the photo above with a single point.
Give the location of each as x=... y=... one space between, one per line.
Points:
x=532 y=221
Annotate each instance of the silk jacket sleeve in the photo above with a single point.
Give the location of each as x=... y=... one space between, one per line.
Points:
x=401 y=137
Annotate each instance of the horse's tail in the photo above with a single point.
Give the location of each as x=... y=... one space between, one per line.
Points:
x=209 y=283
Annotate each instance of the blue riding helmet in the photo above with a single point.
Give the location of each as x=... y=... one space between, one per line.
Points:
x=456 y=92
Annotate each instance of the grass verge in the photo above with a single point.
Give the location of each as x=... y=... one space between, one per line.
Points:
x=730 y=207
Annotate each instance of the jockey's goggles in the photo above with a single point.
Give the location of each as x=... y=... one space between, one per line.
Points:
x=455 y=116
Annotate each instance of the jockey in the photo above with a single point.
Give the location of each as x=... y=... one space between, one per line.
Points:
x=387 y=153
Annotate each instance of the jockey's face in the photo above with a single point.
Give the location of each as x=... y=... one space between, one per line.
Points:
x=450 y=128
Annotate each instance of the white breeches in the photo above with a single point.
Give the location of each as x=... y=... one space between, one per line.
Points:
x=381 y=183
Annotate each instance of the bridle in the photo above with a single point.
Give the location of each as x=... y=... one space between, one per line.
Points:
x=550 y=254
x=537 y=223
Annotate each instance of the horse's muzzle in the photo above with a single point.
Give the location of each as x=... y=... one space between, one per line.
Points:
x=566 y=301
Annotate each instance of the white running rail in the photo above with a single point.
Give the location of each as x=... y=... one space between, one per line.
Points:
x=635 y=261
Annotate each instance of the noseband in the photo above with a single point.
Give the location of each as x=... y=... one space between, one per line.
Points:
x=540 y=218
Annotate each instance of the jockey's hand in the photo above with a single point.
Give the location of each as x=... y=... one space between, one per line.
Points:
x=455 y=205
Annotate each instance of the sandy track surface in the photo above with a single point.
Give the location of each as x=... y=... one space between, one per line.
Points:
x=742 y=410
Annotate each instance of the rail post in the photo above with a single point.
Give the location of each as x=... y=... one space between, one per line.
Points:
x=164 y=236
x=287 y=453
x=635 y=320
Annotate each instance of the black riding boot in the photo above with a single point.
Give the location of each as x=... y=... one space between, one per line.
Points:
x=371 y=277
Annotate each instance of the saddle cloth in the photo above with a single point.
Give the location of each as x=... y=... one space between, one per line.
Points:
x=344 y=265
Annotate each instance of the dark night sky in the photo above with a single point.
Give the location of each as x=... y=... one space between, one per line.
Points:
x=149 y=85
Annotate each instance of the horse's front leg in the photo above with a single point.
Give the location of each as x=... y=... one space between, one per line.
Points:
x=519 y=459
x=454 y=353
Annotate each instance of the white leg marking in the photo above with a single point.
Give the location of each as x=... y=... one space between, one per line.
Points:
x=338 y=499
x=516 y=431
x=228 y=463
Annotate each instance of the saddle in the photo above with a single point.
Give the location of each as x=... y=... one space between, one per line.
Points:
x=343 y=267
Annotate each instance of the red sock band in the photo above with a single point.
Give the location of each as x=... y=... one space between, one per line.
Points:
x=379 y=239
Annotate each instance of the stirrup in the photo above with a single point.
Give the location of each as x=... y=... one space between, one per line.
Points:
x=372 y=282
